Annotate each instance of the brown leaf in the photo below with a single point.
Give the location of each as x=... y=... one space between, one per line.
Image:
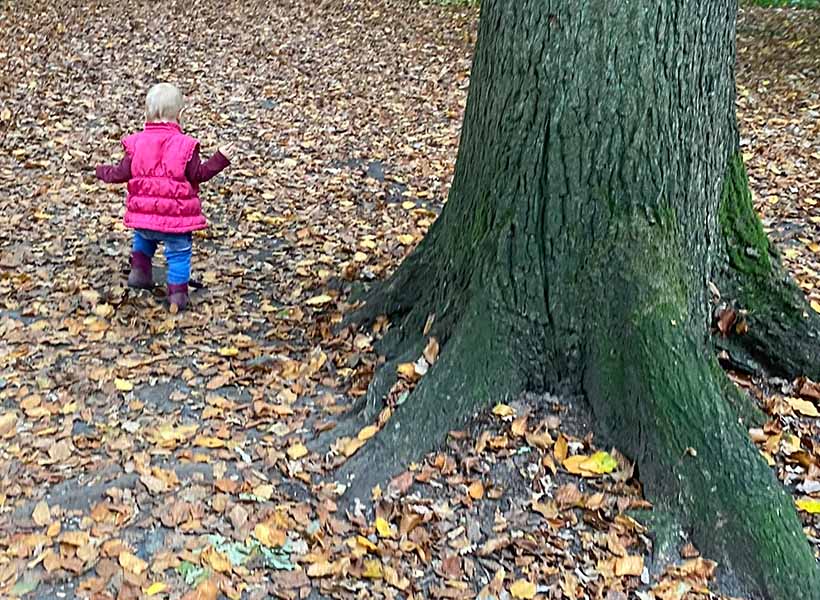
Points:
x=431 y=350
x=476 y=490
x=568 y=495
x=132 y=563
x=629 y=565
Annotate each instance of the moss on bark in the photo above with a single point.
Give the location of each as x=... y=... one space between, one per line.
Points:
x=783 y=331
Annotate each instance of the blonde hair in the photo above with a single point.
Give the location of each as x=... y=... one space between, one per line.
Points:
x=163 y=102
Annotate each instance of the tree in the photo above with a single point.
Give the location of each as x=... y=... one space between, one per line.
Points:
x=598 y=191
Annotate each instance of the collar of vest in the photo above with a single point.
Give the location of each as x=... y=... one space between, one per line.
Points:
x=163 y=126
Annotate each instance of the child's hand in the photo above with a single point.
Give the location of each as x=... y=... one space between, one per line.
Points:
x=228 y=150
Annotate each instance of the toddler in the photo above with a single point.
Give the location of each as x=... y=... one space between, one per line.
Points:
x=163 y=171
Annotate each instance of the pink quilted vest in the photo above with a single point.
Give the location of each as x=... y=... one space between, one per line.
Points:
x=160 y=198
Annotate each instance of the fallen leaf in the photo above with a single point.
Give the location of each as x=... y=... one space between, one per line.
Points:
x=502 y=410
x=216 y=560
x=523 y=589
x=8 y=423
x=809 y=505
x=629 y=565
x=476 y=490
x=373 y=569
x=297 y=451
x=155 y=588
x=207 y=590
x=384 y=528
x=264 y=491
x=561 y=449
x=322 y=569
x=804 y=407
x=41 y=515
x=353 y=446
x=132 y=563
x=431 y=350
x=208 y=442
x=123 y=385
x=319 y=300
x=367 y=432
x=269 y=536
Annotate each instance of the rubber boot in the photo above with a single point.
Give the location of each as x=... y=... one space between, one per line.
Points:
x=140 y=276
x=177 y=296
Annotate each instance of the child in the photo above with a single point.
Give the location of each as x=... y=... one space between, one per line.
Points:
x=163 y=171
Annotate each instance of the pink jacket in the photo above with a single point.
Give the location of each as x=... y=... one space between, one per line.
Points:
x=160 y=197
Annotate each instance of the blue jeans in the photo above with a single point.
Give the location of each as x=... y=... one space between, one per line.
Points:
x=177 y=251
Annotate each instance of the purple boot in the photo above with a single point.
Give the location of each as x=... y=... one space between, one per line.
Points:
x=177 y=296
x=140 y=276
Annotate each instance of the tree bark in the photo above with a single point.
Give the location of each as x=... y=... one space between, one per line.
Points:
x=584 y=223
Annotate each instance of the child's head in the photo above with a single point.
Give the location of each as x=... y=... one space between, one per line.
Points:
x=164 y=102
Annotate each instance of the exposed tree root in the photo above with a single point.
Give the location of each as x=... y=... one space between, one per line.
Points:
x=779 y=331
x=476 y=368
x=662 y=401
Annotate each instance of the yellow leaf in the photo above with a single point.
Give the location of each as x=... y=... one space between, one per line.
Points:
x=351 y=447
x=573 y=464
x=384 y=528
x=815 y=305
x=476 y=490
x=804 y=407
x=228 y=351
x=408 y=371
x=319 y=300
x=123 y=385
x=406 y=239
x=523 y=589
x=41 y=515
x=131 y=563
x=809 y=505
x=367 y=432
x=155 y=588
x=269 y=536
x=502 y=410
x=366 y=543
x=209 y=442
x=373 y=569
x=297 y=451
x=600 y=463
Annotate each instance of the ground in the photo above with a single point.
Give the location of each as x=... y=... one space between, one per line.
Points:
x=150 y=454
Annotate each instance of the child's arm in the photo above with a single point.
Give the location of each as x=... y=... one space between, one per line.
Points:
x=120 y=173
x=197 y=172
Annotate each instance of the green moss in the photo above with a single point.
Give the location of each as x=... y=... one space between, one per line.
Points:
x=746 y=242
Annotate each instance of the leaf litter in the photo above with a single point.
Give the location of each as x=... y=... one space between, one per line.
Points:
x=148 y=454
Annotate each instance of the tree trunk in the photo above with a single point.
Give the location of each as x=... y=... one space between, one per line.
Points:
x=584 y=223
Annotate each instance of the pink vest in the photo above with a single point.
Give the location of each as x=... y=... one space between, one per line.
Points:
x=160 y=198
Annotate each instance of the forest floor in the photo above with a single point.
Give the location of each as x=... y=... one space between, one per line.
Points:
x=144 y=454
